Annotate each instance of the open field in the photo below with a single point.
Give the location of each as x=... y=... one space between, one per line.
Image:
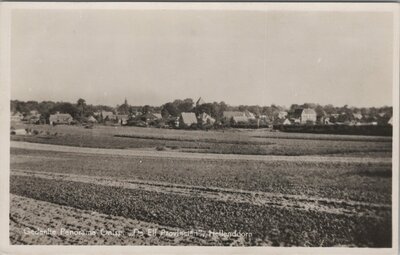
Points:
x=246 y=142
x=315 y=199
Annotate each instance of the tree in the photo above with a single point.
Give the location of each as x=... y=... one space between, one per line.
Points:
x=81 y=105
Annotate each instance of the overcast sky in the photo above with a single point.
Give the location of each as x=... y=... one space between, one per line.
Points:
x=240 y=57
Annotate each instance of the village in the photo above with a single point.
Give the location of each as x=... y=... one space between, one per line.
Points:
x=187 y=114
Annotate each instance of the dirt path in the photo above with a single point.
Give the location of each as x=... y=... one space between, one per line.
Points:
x=171 y=154
x=67 y=225
x=298 y=202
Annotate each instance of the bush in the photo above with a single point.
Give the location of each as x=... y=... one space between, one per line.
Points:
x=160 y=148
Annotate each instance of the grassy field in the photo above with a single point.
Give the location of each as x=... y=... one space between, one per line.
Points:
x=250 y=142
x=338 y=193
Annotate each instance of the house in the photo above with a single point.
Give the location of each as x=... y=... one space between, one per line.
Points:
x=204 y=118
x=187 y=119
x=92 y=119
x=200 y=101
x=157 y=115
x=240 y=119
x=60 y=118
x=230 y=114
x=286 y=122
x=282 y=115
x=122 y=119
x=19 y=132
x=17 y=116
x=148 y=117
x=357 y=116
x=390 y=122
x=249 y=115
x=305 y=115
x=105 y=115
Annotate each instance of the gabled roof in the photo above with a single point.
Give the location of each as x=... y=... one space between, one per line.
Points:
x=230 y=114
x=299 y=112
x=60 y=117
x=189 y=118
x=249 y=114
x=157 y=115
x=240 y=119
x=123 y=116
x=92 y=119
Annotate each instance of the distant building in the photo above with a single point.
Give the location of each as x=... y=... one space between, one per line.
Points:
x=249 y=115
x=230 y=114
x=282 y=115
x=60 y=118
x=305 y=115
x=240 y=119
x=204 y=118
x=286 y=122
x=357 y=116
x=187 y=119
x=390 y=122
x=16 y=117
x=92 y=119
x=105 y=115
x=157 y=115
x=122 y=119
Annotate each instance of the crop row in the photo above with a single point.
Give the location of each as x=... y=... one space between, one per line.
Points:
x=279 y=226
x=341 y=180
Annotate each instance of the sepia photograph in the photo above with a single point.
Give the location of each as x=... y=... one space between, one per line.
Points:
x=188 y=124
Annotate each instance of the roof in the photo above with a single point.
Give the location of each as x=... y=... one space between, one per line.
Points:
x=299 y=112
x=157 y=115
x=106 y=114
x=249 y=114
x=357 y=115
x=60 y=117
x=92 y=119
x=231 y=114
x=189 y=118
x=200 y=101
x=240 y=119
x=16 y=114
x=148 y=115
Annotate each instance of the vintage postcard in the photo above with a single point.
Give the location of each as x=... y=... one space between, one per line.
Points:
x=222 y=128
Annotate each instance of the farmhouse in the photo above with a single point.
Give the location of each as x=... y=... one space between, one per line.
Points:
x=60 y=118
x=16 y=116
x=282 y=115
x=240 y=119
x=305 y=115
x=148 y=117
x=92 y=119
x=230 y=114
x=204 y=118
x=249 y=115
x=187 y=119
x=357 y=116
x=105 y=115
x=157 y=115
x=122 y=119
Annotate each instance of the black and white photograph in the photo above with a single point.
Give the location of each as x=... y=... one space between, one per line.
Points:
x=201 y=124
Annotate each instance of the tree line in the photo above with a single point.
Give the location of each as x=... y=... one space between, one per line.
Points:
x=80 y=110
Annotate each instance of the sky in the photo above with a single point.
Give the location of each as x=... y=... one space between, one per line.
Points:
x=239 y=57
